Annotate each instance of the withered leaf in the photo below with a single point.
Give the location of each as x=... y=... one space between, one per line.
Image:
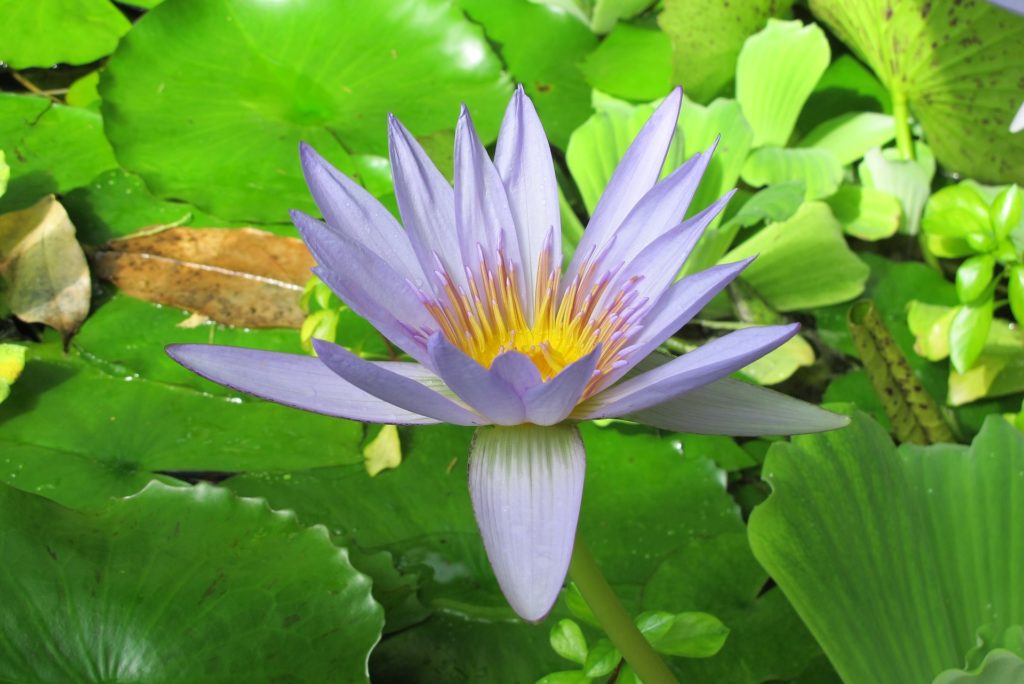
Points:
x=44 y=267
x=236 y=276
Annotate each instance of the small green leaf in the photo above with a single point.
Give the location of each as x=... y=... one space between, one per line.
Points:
x=981 y=241
x=973 y=276
x=818 y=169
x=1015 y=289
x=1006 y=209
x=383 y=452
x=775 y=74
x=631 y=62
x=956 y=211
x=567 y=677
x=692 y=635
x=998 y=371
x=602 y=659
x=849 y=136
x=968 y=333
x=908 y=181
x=866 y=213
x=568 y=641
x=929 y=324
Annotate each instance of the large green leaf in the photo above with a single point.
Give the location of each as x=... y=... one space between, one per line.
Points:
x=177 y=585
x=673 y=510
x=525 y=33
x=775 y=74
x=707 y=36
x=222 y=129
x=957 y=63
x=50 y=148
x=872 y=544
x=45 y=33
x=802 y=262
x=849 y=136
x=126 y=427
x=631 y=62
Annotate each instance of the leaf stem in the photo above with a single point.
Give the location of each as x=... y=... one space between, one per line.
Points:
x=614 y=619
x=901 y=117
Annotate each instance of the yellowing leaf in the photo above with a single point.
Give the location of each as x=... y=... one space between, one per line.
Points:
x=12 y=362
x=45 y=269
x=384 y=451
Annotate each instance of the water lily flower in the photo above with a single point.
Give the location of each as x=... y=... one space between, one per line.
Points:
x=505 y=340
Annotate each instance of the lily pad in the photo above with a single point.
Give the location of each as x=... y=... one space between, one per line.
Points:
x=177 y=584
x=226 y=139
x=62 y=31
x=828 y=531
x=957 y=64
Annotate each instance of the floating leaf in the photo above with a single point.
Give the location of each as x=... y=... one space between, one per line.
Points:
x=957 y=64
x=849 y=136
x=44 y=267
x=50 y=148
x=775 y=74
x=135 y=585
x=62 y=31
x=707 y=37
x=12 y=362
x=226 y=139
x=914 y=414
x=908 y=181
x=827 y=272
x=383 y=452
x=866 y=213
x=870 y=543
x=817 y=170
x=631 y=62
x=241 y=277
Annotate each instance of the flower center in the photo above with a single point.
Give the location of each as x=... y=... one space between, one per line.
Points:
x=489 y=317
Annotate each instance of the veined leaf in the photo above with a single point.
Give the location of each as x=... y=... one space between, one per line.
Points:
x=849 y=136
x=818 y=169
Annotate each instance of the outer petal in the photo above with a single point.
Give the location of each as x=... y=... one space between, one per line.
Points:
x=482 y=215
x=426 y=201
x=635 y=175
x=394 y=386
x=731 y=407
x=552 y=402
x=711 y=362
x=349 y=209
x=523 y=160
x=370 y=286
x=526 y=483
x=490 y=394
x=290 y=379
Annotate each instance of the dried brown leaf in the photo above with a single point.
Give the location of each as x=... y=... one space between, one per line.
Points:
x=44 y=267
x=237 y=276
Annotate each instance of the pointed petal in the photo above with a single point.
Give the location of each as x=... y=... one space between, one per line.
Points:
x=490 y=395
x=523 y=160
x=518 y=371
x=482 y=216
x=685 y=373
x=290 y=379
x=426 y=201
x=553 y=401
x=731 y=407
x=526 y=484
x=683 y=300
x=636 y=173
x=349 y=209
x=368 y=285
x=394 y=386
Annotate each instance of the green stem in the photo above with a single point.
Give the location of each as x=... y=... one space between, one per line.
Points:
x=901 y=116
x=614 y=619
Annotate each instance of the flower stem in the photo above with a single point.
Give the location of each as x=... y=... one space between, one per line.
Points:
x=901 y=116
x=614 y=619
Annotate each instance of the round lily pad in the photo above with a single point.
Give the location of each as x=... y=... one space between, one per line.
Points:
x=208 y=101
x=68 y=31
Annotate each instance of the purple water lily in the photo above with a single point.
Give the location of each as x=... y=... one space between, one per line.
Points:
x=503 y=339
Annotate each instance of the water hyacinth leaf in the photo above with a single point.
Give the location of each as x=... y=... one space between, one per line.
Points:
x=908 y=181
x=829 y=272
x=12 y=362
x=968 y=332
x=817 y=169
x=384 y=451
x=1006 y=211
x=632 y=62
x=956 y=211
x=65 y=31
x=5 y=173
x=779 y=365
x=913 y=412
x=846 y=86
x=1015 y=288
x=702 y=126
x=957 y=64
x=225 y=140
x=602 y=659
x=688 y=635
x=241 y=277
x=973 y=277
x=44 y=267
x=184 y=568
x=930 y=325
x=568 y=641
x=524 y=33
x=114 y=449
x=50 y=148
x=565 y=677
x=775 y=74
x=707 y=37
x=998 y=370
x=828 y=528
x=866 y=213
x=849 y=136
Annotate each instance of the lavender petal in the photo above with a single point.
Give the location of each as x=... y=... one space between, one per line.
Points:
x=553 y=401
x=490 y=395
